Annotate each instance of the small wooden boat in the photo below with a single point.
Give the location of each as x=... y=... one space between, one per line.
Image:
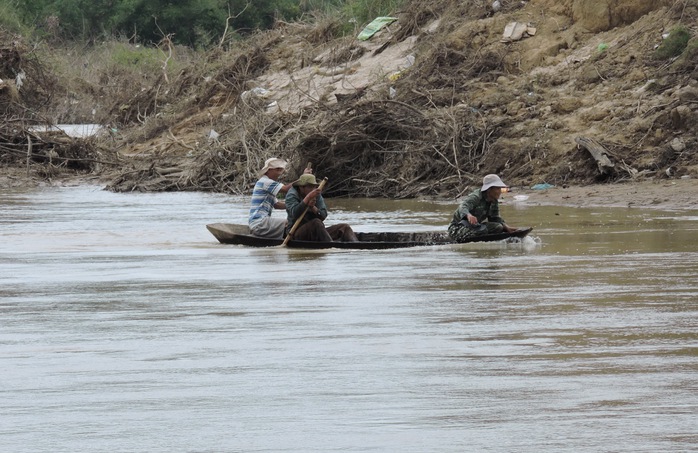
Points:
x=228 y=233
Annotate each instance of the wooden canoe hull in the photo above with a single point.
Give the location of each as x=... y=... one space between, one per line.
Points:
x=229 y=233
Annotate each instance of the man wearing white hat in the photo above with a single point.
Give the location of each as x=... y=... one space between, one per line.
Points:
x=478 y=214
x=264 y=200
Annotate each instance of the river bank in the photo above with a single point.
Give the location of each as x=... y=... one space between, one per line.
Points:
x=670 y=194
x=674 y=194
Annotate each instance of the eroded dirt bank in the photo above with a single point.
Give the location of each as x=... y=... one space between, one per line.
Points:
x=422 y=109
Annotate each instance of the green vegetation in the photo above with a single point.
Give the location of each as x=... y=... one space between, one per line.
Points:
x=674 y=44
x=194 y=23
x=364 y=11
x=686 y=62
x=145 y=59
x=9 y=18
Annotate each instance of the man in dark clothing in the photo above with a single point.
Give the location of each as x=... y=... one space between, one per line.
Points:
x=478 y=214
x=306 y=193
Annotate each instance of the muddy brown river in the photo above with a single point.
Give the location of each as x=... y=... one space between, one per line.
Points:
x=124 y=326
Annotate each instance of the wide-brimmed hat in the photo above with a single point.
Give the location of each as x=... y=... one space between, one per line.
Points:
x=492 y=181
x=274 y=162
x=306 y=180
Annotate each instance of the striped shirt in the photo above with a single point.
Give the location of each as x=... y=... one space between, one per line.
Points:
x=263 y=199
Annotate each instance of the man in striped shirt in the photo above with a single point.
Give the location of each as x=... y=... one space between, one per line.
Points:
x=264 y=200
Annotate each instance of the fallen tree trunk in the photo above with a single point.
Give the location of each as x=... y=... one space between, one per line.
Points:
x=599 y=153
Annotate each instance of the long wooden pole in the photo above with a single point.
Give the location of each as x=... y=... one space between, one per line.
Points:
x=300 y=219
x=29 y=152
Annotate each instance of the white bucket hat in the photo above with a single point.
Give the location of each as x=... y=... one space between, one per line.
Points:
x=491 y=181
x=273 y=162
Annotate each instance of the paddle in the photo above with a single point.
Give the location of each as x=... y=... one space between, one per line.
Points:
x=299 y=219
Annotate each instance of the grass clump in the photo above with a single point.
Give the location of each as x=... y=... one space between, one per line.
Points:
x=688 y=61
x=674 y=44
x=143 y=58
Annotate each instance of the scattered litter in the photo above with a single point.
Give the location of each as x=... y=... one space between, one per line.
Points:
x=602 y=47
x=213 y=136
x=496 y=6
x=19 y=80
x=514 y=31
x=257 y=92
x=375 y=25
x=542 y=186
x=71 y=130
x=520 y=197
x=393 y=76
x=409 y=61
x=392 y=92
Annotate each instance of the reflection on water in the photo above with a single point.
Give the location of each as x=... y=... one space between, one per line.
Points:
x=126 y=327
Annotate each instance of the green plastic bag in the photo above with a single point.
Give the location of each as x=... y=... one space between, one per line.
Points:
x=375 y=25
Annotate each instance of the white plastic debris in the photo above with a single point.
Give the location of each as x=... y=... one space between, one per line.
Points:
x=71 y=130
x=257 y=92
x=19 y=80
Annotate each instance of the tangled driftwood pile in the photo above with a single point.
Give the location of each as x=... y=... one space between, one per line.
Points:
x=27 y=91
x=366 y=148
x=48 y=153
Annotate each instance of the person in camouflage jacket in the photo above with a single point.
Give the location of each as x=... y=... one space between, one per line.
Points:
x=478 y=213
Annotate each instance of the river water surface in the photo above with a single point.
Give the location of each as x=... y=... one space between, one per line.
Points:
x=124 y=326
